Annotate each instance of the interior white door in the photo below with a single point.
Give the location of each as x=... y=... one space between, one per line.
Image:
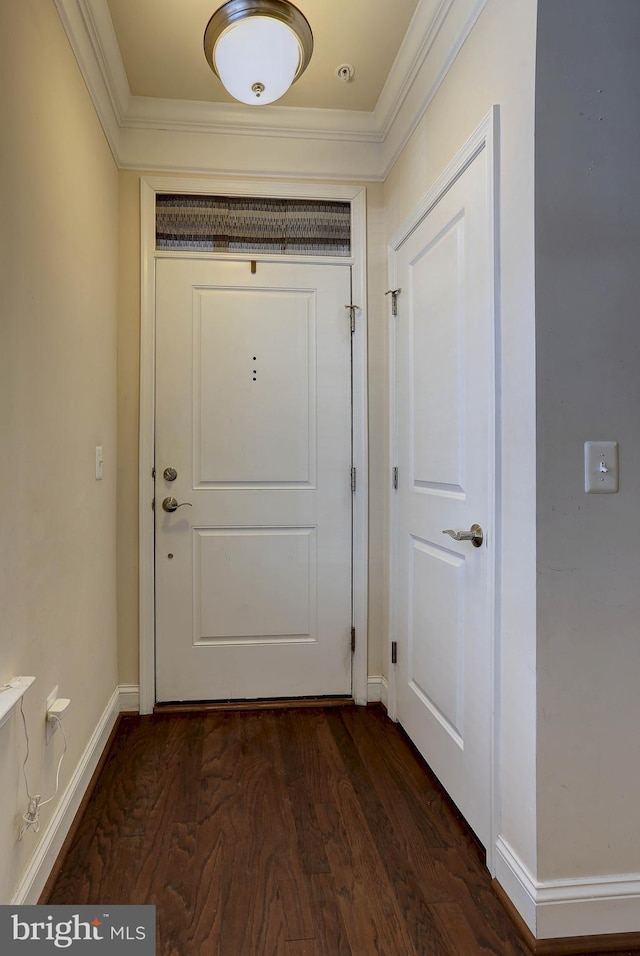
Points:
x=445 y=408
x=253 y=413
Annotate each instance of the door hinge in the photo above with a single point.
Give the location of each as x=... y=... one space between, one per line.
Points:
x=353 y=480
x=394 y=293
x=153 y=504
x=394 y=478
x=353 y=640
x=352 y=312
x=394 y=652
x=153 y=472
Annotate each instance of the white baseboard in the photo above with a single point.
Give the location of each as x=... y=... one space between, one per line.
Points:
x=46 y=853
x=377 y=690
x=129 y=698
x=517 y=882
x=554 y=909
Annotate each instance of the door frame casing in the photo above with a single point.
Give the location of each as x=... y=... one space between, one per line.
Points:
x=150 y=186
x=485 y=137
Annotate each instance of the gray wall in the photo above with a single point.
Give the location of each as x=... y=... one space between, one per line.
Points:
x=588 y=387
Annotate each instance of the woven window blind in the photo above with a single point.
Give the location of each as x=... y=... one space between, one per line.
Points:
x=245 y=224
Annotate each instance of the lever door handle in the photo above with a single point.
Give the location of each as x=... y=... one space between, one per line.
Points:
x=170 y=504
x=475 y=535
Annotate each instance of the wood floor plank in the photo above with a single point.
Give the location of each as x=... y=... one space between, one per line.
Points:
x=482 y=910
x=370 y=910
x=299 y=755
x=236 y=804
x=405 y=880
x=455 y=927
x=176 y=914
x=331 y=932
x=401 y=774
x=302 y=947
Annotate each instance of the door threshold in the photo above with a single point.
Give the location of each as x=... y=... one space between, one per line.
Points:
x=277 y=703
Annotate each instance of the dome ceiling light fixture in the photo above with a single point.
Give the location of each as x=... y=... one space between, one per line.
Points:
x=258 y=48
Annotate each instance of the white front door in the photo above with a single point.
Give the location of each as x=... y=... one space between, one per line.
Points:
x=253 y=414
x=445 y=409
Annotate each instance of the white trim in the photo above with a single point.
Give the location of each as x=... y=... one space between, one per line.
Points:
x=517 y=882
x=378 y=690
x=494 y=193
x=82 y=34
x=46 y=853
x=129 y=698
x=256 y=187
x=392 y=701
x=555 y=909
x=146 y=457
x=484 y=137
x=155 y=133
x=196 y=116
x=360 y=579
x=442 y=38
x=149 y=186
x=479 y=140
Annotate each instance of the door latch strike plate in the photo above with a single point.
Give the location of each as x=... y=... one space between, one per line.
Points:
x=394 y=652
x=353 y=640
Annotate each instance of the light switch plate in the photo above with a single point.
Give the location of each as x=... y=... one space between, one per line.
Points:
x=601 y=467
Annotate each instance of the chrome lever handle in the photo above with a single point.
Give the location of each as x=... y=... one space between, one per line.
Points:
x=170 y=504
x=475 y=535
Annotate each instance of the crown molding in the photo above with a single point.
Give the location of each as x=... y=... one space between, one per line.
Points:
x=442 y=34
x=184 y=135
x=90 y=32
x=196 y=116
x=414 y=49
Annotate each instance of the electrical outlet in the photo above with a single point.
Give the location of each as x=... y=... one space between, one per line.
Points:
x=50 y=725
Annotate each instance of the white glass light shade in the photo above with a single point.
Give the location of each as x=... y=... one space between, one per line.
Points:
x=257 y=53
x=258 y=48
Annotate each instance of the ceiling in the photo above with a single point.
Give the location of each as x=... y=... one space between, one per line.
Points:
x=163 y=109
x=161 y=45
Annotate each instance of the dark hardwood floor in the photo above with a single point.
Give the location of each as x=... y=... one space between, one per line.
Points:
x=283 y=833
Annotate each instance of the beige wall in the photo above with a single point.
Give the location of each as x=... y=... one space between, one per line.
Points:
x=128 y=424
x=587 y=290
x=496 y=66
x=58 y=275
